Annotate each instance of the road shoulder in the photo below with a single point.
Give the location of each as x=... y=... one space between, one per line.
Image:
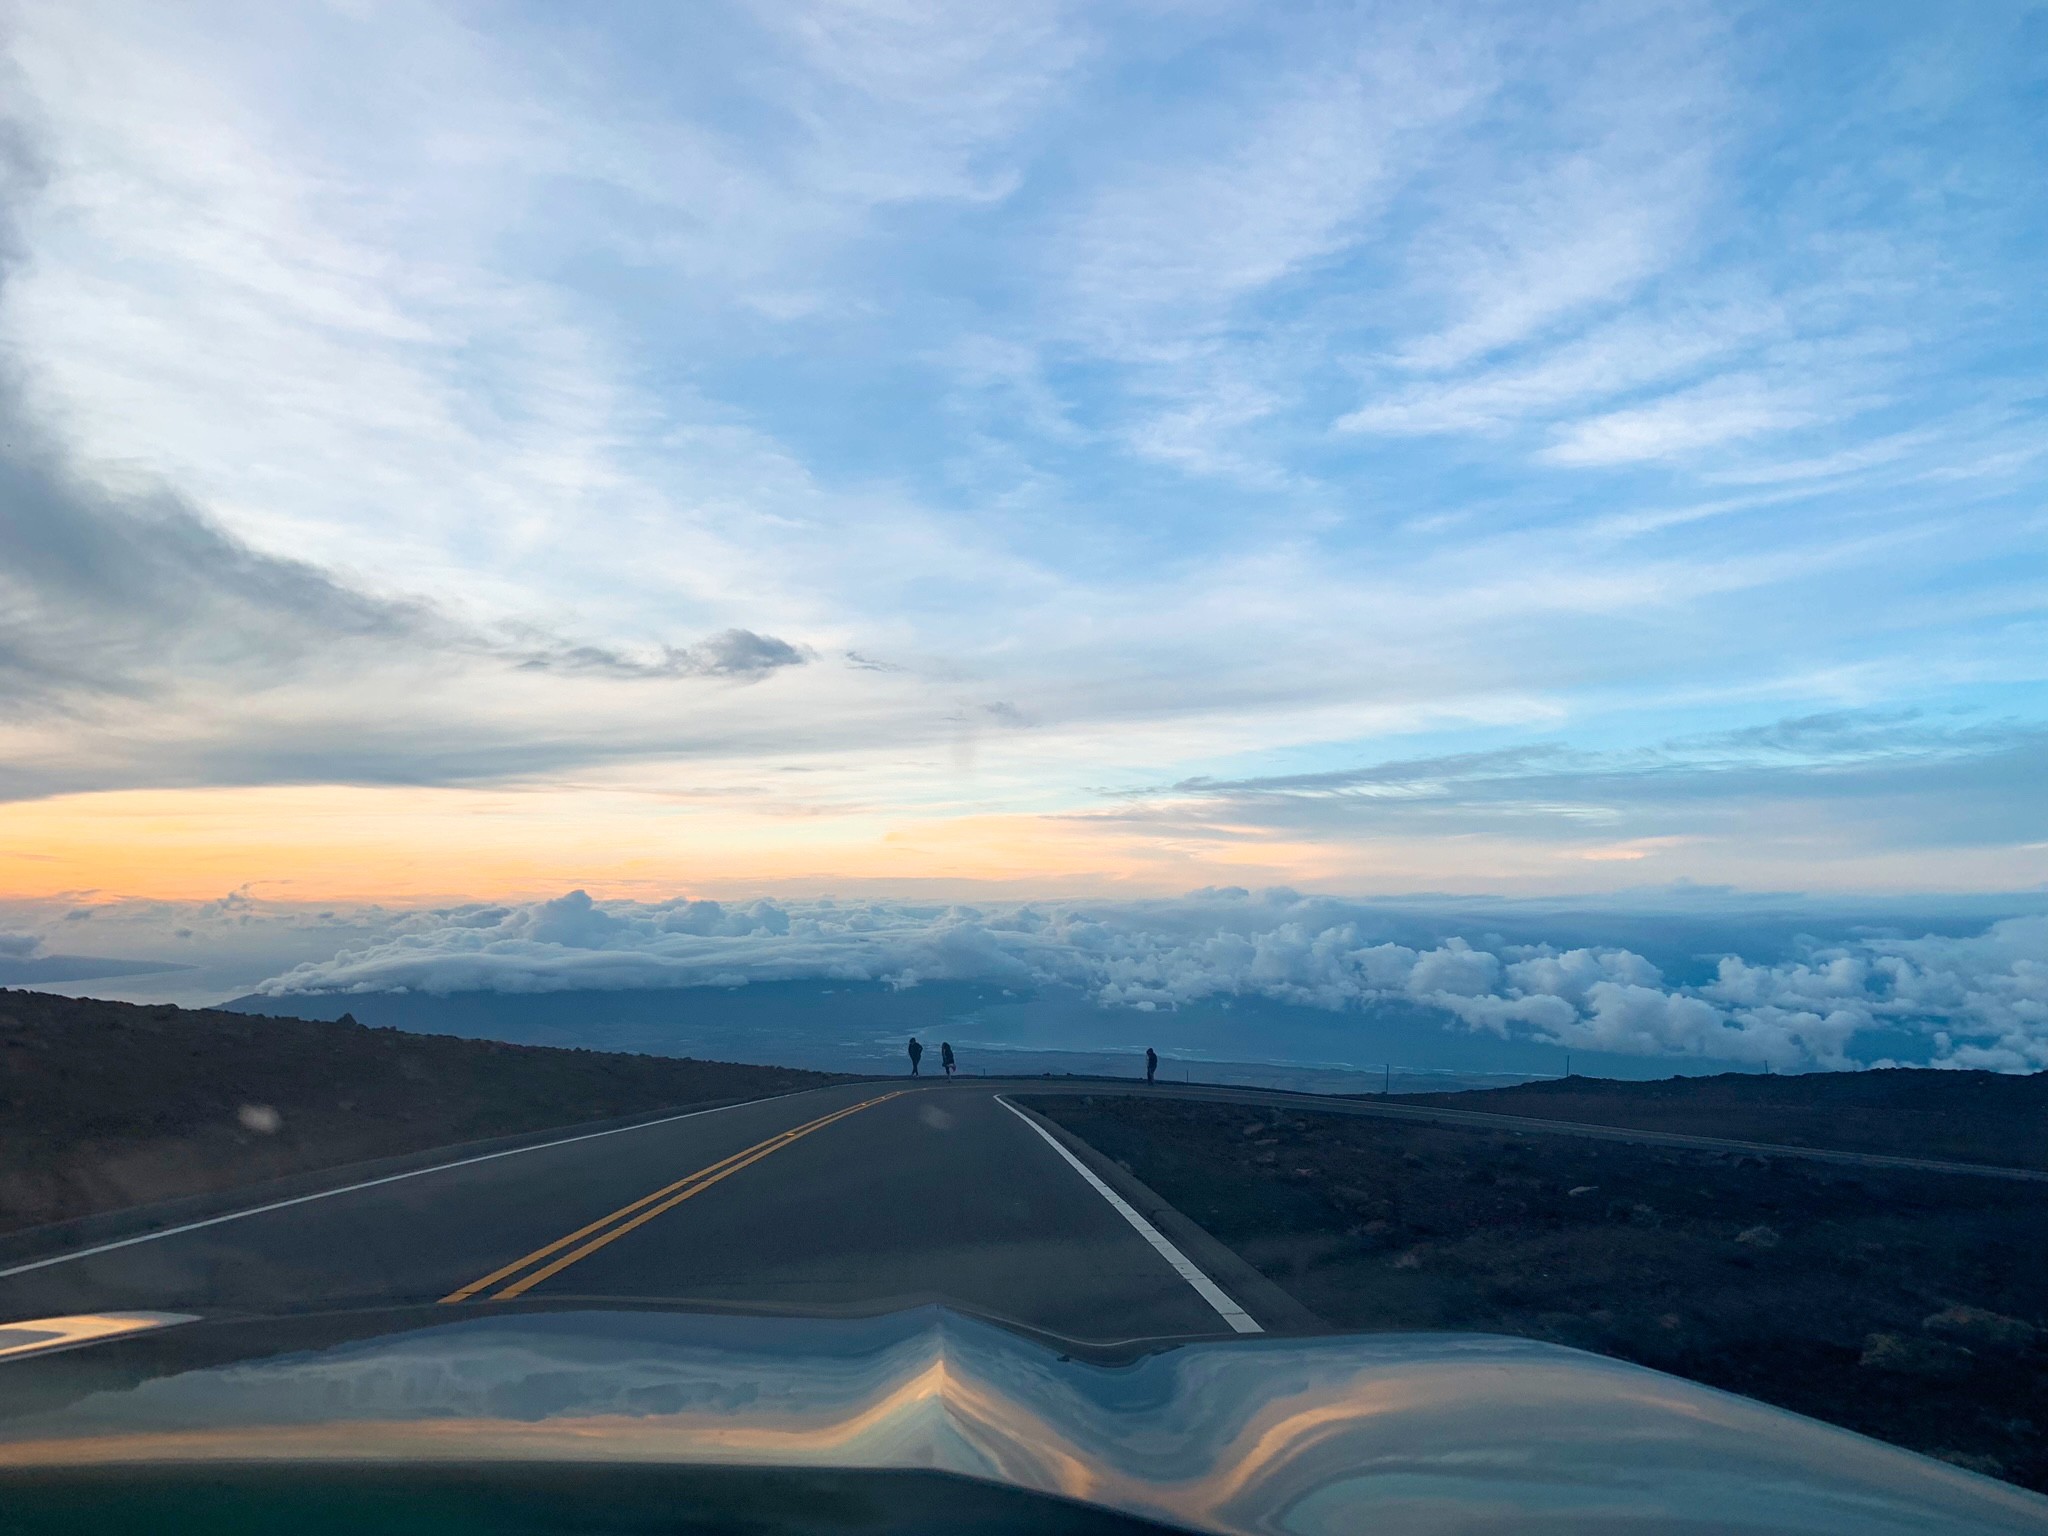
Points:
x=1273 y=1309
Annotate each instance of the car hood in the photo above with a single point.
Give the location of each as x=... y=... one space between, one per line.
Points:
x=1390 y=1433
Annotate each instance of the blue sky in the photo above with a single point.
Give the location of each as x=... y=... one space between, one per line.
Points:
x=1492 y=447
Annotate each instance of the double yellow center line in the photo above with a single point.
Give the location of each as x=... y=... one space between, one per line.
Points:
x=585 y=1241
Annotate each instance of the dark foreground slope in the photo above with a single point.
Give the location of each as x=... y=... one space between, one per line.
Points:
x=1963 y=1117
x=1903 y=1304
x=104 y=1105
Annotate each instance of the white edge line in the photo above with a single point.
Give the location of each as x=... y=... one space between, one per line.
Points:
x=389 y=1178
x=1184 y=1266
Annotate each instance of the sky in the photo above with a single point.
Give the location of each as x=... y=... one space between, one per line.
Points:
x=464 y=453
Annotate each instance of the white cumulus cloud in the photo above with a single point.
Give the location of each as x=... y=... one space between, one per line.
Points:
x=1978 y=1001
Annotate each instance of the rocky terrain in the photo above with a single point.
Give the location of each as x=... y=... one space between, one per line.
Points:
x=105 y=1105
x=1907 y=1306
x=1964 y=1117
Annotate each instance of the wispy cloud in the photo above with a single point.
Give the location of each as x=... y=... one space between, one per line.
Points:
x=1160 y=257
x=398 y=400
x=1707 y=416
x=1618 y=357
x=1869 y=780
x=732 y=653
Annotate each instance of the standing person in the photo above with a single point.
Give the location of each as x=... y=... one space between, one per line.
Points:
x=946 y=1056
x=1151 y=1063
x=916 y=1055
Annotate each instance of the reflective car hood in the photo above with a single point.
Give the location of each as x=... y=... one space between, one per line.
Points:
x=1383 y=1433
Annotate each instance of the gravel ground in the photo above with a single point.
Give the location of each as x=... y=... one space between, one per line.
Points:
x=1909 y=1307
x=106 y=1105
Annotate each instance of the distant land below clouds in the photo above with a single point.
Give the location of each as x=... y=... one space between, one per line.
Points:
x=865 y=1026
x=1697 y=980
x=40 y=970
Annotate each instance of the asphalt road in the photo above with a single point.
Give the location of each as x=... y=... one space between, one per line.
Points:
x=858 y=1196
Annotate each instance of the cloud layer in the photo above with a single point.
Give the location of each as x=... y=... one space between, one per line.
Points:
x=1972 y=1001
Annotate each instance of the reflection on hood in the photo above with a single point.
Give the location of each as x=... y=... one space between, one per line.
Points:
x=1393 y=1434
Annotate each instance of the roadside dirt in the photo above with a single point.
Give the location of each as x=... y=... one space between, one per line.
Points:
x=1963 y=1117
x=106 y=1105
x=1909 y=1307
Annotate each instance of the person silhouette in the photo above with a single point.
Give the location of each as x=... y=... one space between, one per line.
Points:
x=916 y=1055
x=1151 y=1064
x=946 y=1056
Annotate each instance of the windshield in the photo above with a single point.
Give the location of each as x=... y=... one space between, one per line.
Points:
x=1158 y=675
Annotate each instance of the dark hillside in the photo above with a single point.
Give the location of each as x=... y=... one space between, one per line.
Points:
x=105 y=1105
x=1969 y=1117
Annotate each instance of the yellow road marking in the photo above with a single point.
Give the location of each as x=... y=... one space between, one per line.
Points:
x=682 y=1189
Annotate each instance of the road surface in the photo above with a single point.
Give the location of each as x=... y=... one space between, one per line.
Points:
x=856 y=1196
x=859 y=1196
